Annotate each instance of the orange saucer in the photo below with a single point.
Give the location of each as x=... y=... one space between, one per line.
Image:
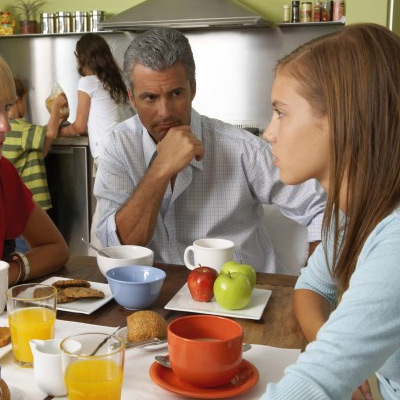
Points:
x=246 y=378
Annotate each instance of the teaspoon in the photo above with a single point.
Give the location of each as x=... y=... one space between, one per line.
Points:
x=164 y=360
x=94 y=247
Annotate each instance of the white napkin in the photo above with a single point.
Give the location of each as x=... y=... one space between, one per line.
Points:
x=269 y=361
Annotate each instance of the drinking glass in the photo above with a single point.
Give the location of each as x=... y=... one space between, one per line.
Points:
x=31 y=312
x=96 y=370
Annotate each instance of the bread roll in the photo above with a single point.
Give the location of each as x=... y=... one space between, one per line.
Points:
x=146 y=324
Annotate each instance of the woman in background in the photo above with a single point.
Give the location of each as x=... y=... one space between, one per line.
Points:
x=102 y=97
x=336 y=118
x=19 y=214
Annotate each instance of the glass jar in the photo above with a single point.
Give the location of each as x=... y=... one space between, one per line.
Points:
x=338 y=6
x=286 y=14
x=306 y=11
x=326 y=11
x=317 y=11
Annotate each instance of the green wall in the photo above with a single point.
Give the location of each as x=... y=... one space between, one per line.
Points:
x=272 y=10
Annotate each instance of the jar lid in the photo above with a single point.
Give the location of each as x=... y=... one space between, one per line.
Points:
x=46 y=15
x=80 y=13
x=63 y=14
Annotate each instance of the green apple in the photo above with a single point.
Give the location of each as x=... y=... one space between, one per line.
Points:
x=232 y=290
x=245 y=269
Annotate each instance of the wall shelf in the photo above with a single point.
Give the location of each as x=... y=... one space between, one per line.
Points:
x=297 y=24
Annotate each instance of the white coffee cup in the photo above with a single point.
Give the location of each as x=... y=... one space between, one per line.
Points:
x=3 y=284
x=213 y=253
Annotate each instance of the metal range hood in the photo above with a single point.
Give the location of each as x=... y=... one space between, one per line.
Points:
x=184 y=14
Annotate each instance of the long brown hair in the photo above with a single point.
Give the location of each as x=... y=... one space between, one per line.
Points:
x=93 y=53
x=353 y=77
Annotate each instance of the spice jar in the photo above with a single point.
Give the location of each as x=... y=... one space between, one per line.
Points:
x=47 y=23
x=338 y=6
x=286 y=13
x=295 y=11
x=317 y=11
x=326 y=11
x=306 y=11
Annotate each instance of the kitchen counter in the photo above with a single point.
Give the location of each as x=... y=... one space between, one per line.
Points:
x=72 y=141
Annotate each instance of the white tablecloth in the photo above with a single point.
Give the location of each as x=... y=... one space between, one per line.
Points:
x=270 y=362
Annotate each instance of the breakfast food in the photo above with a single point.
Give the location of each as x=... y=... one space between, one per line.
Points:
x=146 y=324
x=64 y=111
x=64 y=283
x=5 y=336
x=82 y=292
x=69 y=290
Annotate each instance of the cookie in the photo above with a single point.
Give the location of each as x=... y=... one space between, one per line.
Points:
x=62 y=298
x=65 y=283
x=82 y=292
x=43 y=292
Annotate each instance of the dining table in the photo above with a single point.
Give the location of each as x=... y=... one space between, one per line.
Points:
x=277 y=326
x=276 y=329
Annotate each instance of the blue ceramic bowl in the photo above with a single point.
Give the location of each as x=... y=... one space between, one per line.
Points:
x=135 y=287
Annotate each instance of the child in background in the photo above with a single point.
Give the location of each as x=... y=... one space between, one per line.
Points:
x=26 y=146
x=102 y=99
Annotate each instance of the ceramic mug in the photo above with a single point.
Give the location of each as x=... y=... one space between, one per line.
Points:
x=213 y=253
x=3 y=284
x=205 y=350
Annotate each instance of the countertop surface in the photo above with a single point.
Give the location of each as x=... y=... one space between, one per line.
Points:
x=71 y=141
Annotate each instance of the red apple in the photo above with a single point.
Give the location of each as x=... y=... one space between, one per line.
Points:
x=201 y=283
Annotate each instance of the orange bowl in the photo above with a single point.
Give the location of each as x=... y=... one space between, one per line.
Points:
x=205 y=350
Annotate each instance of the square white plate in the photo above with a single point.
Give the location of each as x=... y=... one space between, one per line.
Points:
x=84 y=306
x=183 y=301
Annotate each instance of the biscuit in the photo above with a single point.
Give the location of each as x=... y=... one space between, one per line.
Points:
x=146 y=324
x=5 y=336
x=62 y=298
x=43 y=292
x=64 y=283
x=82 y=292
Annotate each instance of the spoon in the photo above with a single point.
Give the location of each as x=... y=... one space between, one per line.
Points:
x=94 y=247
x=164 y=360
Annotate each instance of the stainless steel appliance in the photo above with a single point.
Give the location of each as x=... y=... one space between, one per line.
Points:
x=69 y=183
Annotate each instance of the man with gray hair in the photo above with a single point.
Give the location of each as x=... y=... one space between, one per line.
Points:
x=170 y=176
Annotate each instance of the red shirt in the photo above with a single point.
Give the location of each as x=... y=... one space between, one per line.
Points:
x=16 y=203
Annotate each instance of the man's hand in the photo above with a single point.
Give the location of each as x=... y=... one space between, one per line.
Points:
x=176 y=150
x=363 y=392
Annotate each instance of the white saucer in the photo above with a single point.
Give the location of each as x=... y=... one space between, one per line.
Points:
x=17 y=394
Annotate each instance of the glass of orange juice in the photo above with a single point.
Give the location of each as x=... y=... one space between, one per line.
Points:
x=96 y=371
x=31 y=312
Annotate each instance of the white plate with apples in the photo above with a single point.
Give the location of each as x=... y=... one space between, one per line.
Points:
x=183 y=301
x=234 y=290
